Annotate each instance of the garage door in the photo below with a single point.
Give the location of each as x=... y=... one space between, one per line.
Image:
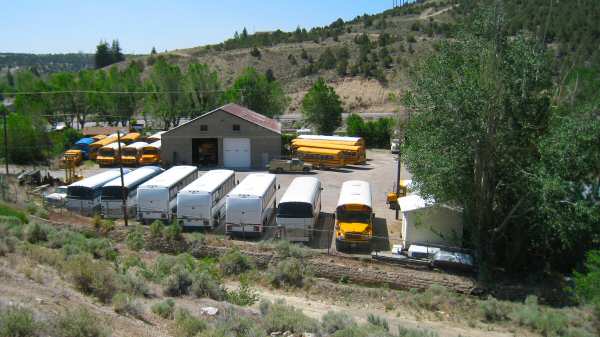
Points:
x=236 y=152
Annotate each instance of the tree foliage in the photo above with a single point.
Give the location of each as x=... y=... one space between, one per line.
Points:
x=107 y=55
x=256 y=92
x=376 y=133
x=322 y=107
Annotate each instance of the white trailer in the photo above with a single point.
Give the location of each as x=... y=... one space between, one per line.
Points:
x=112 y=192
x=157 y=197
x=201 y=203
x=84 y=196
x=299 y=209
x=250 y=205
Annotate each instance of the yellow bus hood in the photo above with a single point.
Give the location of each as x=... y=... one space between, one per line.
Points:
x=353 y=227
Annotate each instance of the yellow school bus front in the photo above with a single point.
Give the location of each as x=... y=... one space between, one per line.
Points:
x=353 y=226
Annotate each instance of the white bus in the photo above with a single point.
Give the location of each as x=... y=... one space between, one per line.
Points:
x=354 y=217
x=299 y=208
x=250 y=205
x=158 y=197
x=84 y=196
x=200 y=204
x=112 y=192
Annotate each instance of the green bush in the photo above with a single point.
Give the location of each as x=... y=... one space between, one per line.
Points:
x=7 y=245
x=233 y=324
x=378 y=321
x=124 y=262
x=365 y=330
x=286 y=249
x=178 y=283
x=172 y=232
x=547 y=322
x=244 y=296
x=234 y=263
x=36 y=232
x=80 y=323
x=494 y=310
x=188 y=325
x=405 y=332
x=205 y=284
x=6 y=210
x=133 y=282
x=334 y=321
x=92 y=277
x=281 y=317
x=288 y=272
x=164 y=309
x=18 y=322
x=156 y=229
x=124 y=304
x=135 y=238
x=432 y=298
x=587 y=286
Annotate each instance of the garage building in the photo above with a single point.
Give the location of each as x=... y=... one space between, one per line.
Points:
x=231 y=136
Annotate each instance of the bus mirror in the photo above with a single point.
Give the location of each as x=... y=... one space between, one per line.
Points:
x=322 y=188
x=278 y=187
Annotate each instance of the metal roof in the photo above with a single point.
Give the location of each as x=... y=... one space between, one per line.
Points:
x=137 y=145
x=357 y=192
x=245 y=114
x=412 y=202
x=208 y=182
x=135 y=177
x=302 y=189
x=99 y=179
x=103 y=130
x=170 y=177
x=255 y=184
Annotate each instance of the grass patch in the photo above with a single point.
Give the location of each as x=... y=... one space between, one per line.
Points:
x=279 y=316
x=187 y=325
x=6 y=210
x=378 y=321
x=334 y=321
x=92 y=277
x=80 y=323
x=17 y=322
x=244 y=295
x=156 y=229
x=234 y=263
x=205 y=284
x=288 y=272
x=135 y=238
x=124 y=304
x=164 y=309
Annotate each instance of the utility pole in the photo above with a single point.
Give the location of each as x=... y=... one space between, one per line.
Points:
x=123 y=196
x=399 y=168
x=5 y=141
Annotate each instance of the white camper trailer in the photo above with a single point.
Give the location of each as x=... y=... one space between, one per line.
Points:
x=201 y=203
x=112 y=192
x=250 y=205
x=84 y=196
x=158 y=197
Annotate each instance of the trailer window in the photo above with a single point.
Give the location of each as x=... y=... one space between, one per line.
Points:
x=295 y=210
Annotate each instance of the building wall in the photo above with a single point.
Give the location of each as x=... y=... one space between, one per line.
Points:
x=435 y=225
x=177 y=144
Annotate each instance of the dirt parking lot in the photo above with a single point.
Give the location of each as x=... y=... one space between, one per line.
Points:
x=380 y=172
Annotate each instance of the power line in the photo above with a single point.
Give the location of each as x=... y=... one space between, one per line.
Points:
x=115 y=92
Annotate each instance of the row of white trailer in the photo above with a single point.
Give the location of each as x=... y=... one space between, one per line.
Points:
x=201 y=202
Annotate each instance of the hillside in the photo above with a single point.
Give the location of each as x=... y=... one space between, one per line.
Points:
x=46 y=63
x=375 y=71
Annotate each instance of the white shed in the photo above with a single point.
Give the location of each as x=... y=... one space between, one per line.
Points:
x=424 y=221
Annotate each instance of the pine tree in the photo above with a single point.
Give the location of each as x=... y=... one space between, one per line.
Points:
x=153 y=51
x=117 y=55
x=103 y=55
x=244 y=33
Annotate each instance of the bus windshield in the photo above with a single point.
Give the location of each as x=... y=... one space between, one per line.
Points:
x=129 y=152
x=150 y=151
x=353 y=216
x=295 y=210
x=107 y=152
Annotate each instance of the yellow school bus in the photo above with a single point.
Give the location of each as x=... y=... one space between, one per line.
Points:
x=150 y=154
x=94 y=147
x=353 y=154
x=342 y=140
x=130 y=138
x=109 y=155
x=132 y=153
x=354 y=216
x=320 y=158
x=98 y=137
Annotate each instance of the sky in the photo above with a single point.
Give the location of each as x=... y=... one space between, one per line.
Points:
x=60 y=26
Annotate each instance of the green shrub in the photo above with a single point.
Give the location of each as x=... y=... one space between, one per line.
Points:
x=205 y=284
x=334 y=321
x=18 y=322
x=7 y=245
x=135 y=238
x=92 y=277
x=36 y=232
x=281 y=317
x=234 y=263
x=6 y=210
x=287 y=249
x=243 y=296
x=546 y=322
x=494 y=310
x=164 y=309
x=80 y=323
x=172 y=232
x=31 y=207
x=378 y=321
x=587 y=286
x=124 y=304
x=405 y=332
x=124 y=262
x=432 y=298
x=107 y=226
x=365 y=330
x=233 y=324
x=42 y=213
x=156 y=229
x=288 y=272
x=133 y=282
x=97 y=221
x=188 y=325
x=178 y=283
